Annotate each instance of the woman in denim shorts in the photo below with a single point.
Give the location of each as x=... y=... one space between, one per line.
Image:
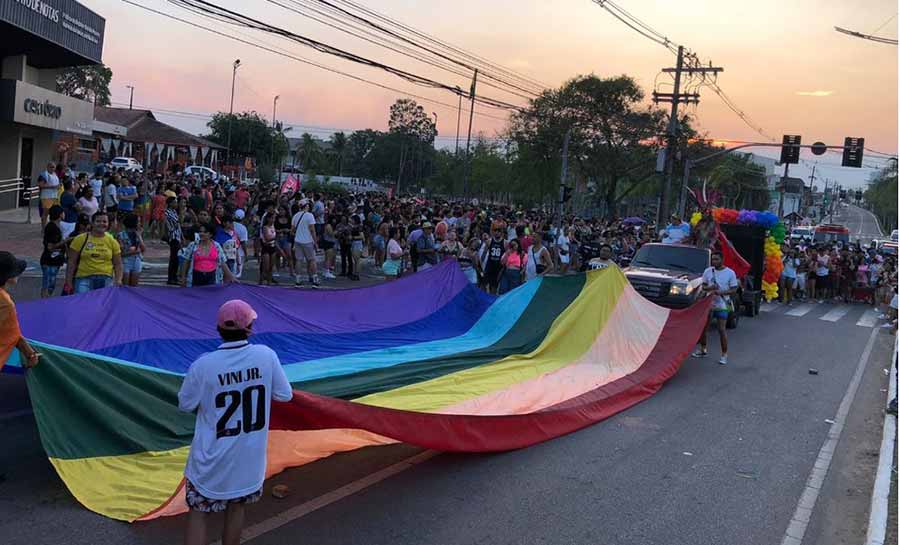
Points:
x=132 y=243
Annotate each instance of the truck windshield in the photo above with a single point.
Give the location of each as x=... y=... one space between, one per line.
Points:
x=831 y=236
x=664 y=256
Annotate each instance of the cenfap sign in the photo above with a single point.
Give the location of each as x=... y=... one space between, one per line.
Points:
x=46 y=108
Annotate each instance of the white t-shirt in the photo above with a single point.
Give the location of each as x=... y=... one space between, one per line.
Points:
x=111 y=194
x=241 y=231
x=231 y=389
x=301 y=222
x=97 y=186
x=394 y=249
x=563 y=244
x=52 y=189
x=725 y=279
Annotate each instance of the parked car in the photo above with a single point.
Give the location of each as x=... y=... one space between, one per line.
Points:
x=801 y=233
x=201 y=172
x=128 y=163
x=894 y=235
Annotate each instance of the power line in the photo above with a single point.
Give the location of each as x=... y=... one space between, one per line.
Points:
x=855 y=34
x=355 y=21
x=217 y=12
x=884 y=24
x=303 y=60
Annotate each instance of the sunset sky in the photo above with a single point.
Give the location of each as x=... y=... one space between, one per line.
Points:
x=785 y=66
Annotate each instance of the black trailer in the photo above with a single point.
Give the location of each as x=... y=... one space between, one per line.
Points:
x=749 y=241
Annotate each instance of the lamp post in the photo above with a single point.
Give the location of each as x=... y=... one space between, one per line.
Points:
x=274 y=130
x=234 y=68
x=131 y=99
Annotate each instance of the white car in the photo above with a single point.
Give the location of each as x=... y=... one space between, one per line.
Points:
x=128 y=163
x=203 y=173
x=800 y=233
x=894 y=235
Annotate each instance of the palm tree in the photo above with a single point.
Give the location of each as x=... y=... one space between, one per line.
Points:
x=309 y=151
x=338 y=149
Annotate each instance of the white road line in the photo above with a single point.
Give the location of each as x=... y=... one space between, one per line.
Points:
x=298 y=511
x=802 y=310
x=767 y=307
x=868 y=319
x=836 y=313
x=878 y=511
x=800 y=520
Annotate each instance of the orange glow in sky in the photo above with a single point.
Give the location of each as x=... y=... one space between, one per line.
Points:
x=784 y=64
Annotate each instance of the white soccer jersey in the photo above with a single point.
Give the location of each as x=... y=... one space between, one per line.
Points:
x=231 y=389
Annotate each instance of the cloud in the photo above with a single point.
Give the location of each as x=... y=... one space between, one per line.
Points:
x=814 y=93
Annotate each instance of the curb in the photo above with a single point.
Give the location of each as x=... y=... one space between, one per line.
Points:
x=881 y=491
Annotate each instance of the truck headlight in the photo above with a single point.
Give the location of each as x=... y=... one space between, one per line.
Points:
x=680 y=288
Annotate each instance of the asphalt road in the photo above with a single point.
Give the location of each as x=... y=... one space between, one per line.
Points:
x=720 y=455
x=860 y=222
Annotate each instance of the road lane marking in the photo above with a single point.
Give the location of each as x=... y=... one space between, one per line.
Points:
x=806 y=504
x=881 y=490
x=298 y=511
x=836 y=313
x=766 y=307
x=802 y=310
x=868 y=319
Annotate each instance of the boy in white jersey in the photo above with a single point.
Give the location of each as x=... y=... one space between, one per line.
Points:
x=231 y=389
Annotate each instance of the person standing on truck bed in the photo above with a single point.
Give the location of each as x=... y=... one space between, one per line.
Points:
x=721 y=283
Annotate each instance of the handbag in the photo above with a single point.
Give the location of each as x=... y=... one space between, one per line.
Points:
x=68 y=289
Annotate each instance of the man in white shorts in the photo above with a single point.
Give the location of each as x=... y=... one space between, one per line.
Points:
x=303 y=227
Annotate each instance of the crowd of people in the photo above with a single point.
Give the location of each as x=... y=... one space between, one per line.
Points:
x=215 y=230
x=839 y=272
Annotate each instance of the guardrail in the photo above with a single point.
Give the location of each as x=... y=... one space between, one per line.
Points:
x=24 y=191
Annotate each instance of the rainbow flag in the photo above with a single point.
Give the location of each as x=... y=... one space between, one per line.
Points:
x=428 y=360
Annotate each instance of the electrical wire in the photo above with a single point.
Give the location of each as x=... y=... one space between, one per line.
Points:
x=214 y=11
x=878 y=39
x=283 y=53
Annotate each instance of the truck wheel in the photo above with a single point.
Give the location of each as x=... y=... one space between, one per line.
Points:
x=732 y=321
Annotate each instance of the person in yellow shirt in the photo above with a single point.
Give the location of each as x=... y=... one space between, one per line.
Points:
x=95 y=258
x=10 y=335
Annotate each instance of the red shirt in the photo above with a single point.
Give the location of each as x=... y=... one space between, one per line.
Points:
x=241 y=196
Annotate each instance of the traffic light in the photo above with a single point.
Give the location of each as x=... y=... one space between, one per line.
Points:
x=859 y=195
x=790 y=149
x=853 y=152
x=567 y=194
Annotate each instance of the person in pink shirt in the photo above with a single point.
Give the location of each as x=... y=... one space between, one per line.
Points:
x=513 y=261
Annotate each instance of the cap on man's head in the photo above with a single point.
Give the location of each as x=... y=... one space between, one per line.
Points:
x=235 y=315
x=10 y=267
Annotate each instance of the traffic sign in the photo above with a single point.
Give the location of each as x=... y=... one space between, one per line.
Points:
x=819 y=148
x=790 y=149
x=853 y=152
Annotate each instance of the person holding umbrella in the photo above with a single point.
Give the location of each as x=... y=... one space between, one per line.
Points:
x=10 y=334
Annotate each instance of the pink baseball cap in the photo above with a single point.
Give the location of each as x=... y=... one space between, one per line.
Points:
x=235 y=314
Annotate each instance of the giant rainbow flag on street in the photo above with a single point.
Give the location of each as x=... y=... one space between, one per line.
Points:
x=428 y=360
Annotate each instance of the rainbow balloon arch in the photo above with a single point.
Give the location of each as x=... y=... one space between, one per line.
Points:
x=775 y=238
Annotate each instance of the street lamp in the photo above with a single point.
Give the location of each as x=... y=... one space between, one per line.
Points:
x=274 y=133
x=234 y=66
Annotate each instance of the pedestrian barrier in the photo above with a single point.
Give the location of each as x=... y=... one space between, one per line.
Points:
x=26 y=192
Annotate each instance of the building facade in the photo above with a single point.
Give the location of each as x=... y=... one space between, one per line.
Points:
x=39 y=39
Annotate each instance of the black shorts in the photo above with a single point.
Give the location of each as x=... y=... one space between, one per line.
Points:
x=269 y=249
x=823 y=282
x=492 y=274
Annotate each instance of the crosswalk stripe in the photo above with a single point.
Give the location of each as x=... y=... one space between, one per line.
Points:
x=836 y=313
x=766 y=307
x=801 y=310
x=868 y=319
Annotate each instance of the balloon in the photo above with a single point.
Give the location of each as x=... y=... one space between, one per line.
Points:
x=695 y=218
x=747 y=217
x=725 y=215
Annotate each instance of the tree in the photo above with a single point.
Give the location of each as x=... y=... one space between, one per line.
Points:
x=309 y=152
x=90 y=82
x=359 y=145
x=339 y=150
x=881 y=195
x=412 y=130
x=741 y=183
x=613 y=138
x=251 y=136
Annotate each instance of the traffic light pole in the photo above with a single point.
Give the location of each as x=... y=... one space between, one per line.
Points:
x=781 y=193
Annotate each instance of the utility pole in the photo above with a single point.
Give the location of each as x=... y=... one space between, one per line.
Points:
x=781 y=193
x=131 y=100
x=458 y=115
x=812 y=181
x=274 y=131
x=469 y=137
x=563 y=176
x=676 y=97
x=234 y=66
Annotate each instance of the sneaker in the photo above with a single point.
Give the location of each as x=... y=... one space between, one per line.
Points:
x=885 y=326
x=723 y=360
x=315 y=283
x=298 y=283
x=329 y=275
x=699 y=354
